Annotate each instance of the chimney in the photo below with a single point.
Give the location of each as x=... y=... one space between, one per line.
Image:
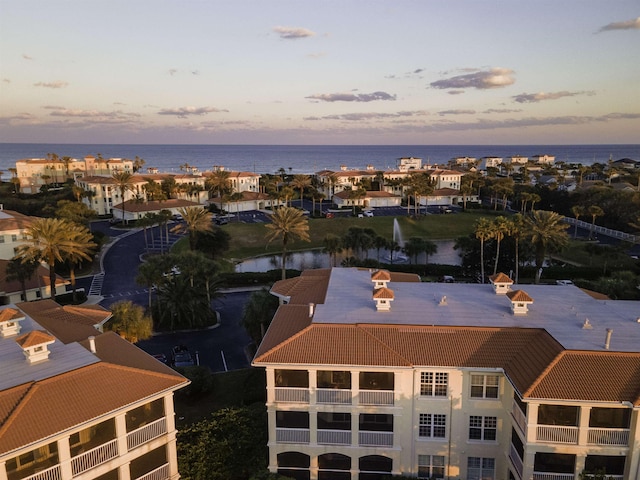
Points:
x=607 y=341
x=92 y=344
x=311 y=309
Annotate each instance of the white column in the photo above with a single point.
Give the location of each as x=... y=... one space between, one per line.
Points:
x=583 y=425
x=3 y=471
x=172 y=454
x=64 y=457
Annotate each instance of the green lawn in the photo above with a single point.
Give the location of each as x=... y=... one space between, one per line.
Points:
x=248 y=239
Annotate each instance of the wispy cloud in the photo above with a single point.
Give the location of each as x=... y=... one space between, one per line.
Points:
x=493 y=78
x=184 y=112
x=351 y=97
x=173 y=71
x=455 y=92
x=541 y=96
x=360 y=116
x=626 y=25
x=27 y=57
x=72 y=112
x=317 y=55
x=502 y=110
x=293 y=33
x=456 y=112
x=57 y=84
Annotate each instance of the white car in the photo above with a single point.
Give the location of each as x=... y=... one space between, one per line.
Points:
x=368 y=213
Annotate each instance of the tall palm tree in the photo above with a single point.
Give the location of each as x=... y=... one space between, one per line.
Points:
x=333 y=246
x=483 y=233
x=498 y=231
x=21 y=271
x=219 y=183
x=413 y=247
x=124 y=183
x=195 y=220
x=595 y=211
x=429 y=248
x=301 y=182
x=84 y=251
x=546 y=232
x=53 y=240
x=287 y=224
x=515 y=230
x=578 y=211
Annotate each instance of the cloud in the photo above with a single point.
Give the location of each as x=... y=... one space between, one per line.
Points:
x=626 y=25
x=482 y=80
x=6 y=80
x=173 y=71
x=26 y=57
x=357 y=117
x=184 y=112
x=455 y=92
x=503 y=110
x=78 y=113
x=293 y=33
x=541 y=96
x=457 y=112
x=57 y=84
x=317 y=55
x=350 y=97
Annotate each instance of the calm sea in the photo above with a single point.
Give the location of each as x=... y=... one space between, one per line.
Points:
x=307 y=158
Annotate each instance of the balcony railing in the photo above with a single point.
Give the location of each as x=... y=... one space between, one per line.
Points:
x=292 y=395
x=146 y=433
x=94 y=457
x=516 y=460
x=557 y=434
x=334 y=437
x=552 y=476
x=160 y=473
x=52 y=473
x=519 y=417
x=608 y=436
x=332 y=395
x=376 y=397
x=292 y=435
x=375 y=439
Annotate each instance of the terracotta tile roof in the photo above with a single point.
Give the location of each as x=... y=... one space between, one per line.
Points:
x=33 y=338
x=500 y=278
x=39 y=279
x=10 y=220
x=287 y=322
x=405 y=277
x=303 y=290
x=519 y=296
x=444 y=192
x=75 y=397
x=383 y=292
x=9 y=314
x=379 y=194
x=381 y=275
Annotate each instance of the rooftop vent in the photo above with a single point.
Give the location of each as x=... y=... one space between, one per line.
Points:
x=501 y=283
x=9 y=322
x=383 y=297
x=520 y=302
x=380 y=278
x=34 y=345
x=587 y=324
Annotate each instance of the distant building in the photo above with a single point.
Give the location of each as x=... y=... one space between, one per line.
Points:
x=489 y=162
x=463 y=162
x=13 y=232
x=79 y=403
x=544 y=159
x=373 y=373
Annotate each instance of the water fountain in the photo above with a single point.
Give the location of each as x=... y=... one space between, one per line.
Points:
x=397 y=257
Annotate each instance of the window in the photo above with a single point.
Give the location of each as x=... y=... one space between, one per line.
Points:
x=292 y=378
x=334 y=379
x=376 y=422
x=1 y=238
x=564 y=415
x=286 y=419
x=482 y=428
x=432 y=425
x=430 y=466
x=610 y=417
x=479 y=468
x=434 y=384
x=334 y=421
x=485 y=386
x=14 y=237
x=376 y=380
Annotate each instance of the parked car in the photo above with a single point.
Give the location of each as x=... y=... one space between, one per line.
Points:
x=368 y=213
x=221 y=220
x=161 y=357
x=182 y=357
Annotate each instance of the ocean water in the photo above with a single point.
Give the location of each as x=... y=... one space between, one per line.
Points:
x=305 y=158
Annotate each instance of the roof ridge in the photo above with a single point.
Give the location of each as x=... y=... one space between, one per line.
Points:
x=544 y=372
x=369 y=333
x=288 y=340
x=20 y=403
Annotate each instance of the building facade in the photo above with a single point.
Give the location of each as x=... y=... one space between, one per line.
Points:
x=371 y=373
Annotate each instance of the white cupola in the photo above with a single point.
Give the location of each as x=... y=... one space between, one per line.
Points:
x=383 y=297
x=501 y=283
x=34 y=345
x=520 y=302
x=9 y=322
x=380 y=278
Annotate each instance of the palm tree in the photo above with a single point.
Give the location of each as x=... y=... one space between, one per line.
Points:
x=84 y=251
x=546 y=232
x=301 y=182
x=219 y=183
x=483 y=233
x=21 y=271
x=429 y=248
x=129 y=321
x=150 y=273
x=288 y=224
x=498 y=231
x=124 y=183
x=53 y=240
x=594 y=211
x=236 y=197
x=578 y=211
x=413 y=247
x=332 y=246
x=195 y=221
x=379 y=242
x=515 y=230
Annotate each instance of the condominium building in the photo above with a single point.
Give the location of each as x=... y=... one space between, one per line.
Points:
x=371 y=373
x=76 y=403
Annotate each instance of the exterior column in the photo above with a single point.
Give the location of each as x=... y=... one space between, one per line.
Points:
x=532 y=423
x=172 y=453
x=3 y=470
x=583 y=426
x=64 y=457
x=123 y=472
x=313 y=387
x=121 y=434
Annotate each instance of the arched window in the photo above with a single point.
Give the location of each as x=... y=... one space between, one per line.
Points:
x=294 y=465
x=334 y=466
x=374 y=467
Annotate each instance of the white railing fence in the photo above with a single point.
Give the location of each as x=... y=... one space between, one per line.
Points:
x=52 y=473
x=608 y=436
x=292 y=435
x=557 y=434
x=94 y=457
x=330 y=395
x=334 y=437
x=375 y=439
x=292 y=395
x=160 y=473
x=376 y=397
x=146 y=433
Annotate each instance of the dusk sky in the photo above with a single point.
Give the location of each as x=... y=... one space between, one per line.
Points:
x=320 y=72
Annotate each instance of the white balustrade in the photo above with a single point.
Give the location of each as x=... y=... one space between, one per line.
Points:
x=516 y=460
x=146 y=433
x=608 y=436
x=292 y=395
x=557 y=434
x=332 y=395
x=292 y=435
x=376 y=397
x=375 y=439
x=52 y=473
x=519 y=417
x=552 y=476
x=94 y=457
x=160 y=473
x=334 y=437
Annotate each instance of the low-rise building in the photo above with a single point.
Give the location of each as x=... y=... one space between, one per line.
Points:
x=79 y=403
x=544 y=159
x=372 y=373
x=13 y=232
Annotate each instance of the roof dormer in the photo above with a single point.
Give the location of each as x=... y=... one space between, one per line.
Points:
x=9 y=322
x=501 y=283
x=380 y=278
x=383 y=297
x=34 y=345
x=520 y=302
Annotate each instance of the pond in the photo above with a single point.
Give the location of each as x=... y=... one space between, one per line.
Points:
x=445 y=255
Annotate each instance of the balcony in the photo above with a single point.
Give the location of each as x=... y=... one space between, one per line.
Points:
x=292 y=394
x=519 y=417
x=160 y=473
x=516 y=460
x=52 y=473
x=333 y=396
x=334 y=437
x=552 y=476
x=376 y=397
x=608 y=436
x=146 y=433
x=557 y=434
x=292 y=435
x=94 y=457
x=375 y=439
